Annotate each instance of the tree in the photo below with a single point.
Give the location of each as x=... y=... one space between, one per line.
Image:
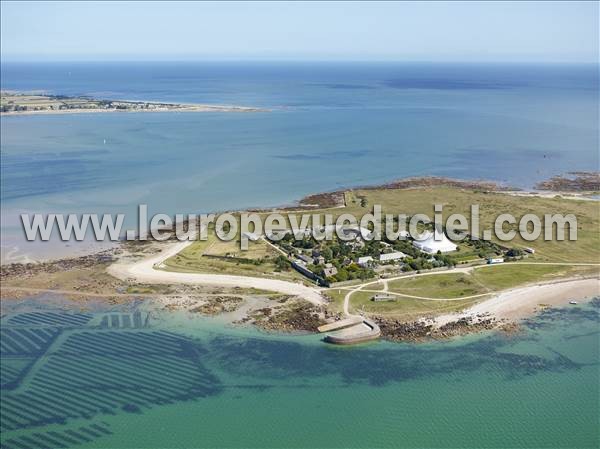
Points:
x=327 y=253
x=281 y=263
x=514 y=252
x=342 y=275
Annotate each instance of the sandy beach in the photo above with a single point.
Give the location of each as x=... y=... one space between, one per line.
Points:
x=149 y=270
x=522 y=302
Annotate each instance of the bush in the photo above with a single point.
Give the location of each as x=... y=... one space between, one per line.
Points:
x=281 y=263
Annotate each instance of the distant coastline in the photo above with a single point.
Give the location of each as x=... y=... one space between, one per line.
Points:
x=20 y=103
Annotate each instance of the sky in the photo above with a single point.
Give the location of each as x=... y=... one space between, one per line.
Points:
x=400 y=31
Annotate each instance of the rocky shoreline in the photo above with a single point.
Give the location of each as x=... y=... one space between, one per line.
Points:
x=572 y=182
x=218 y=305
x=426 y=330
x=290 y=316
x=336 y=198
x=29 y=269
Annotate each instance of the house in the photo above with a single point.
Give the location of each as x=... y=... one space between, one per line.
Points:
x=320 y=260
x=330 y=271
x=364 y=261
x=356 y=244
x=389 y=257
x=382 y=297
x=436 y=241
x=301 y=267
x=304 y=258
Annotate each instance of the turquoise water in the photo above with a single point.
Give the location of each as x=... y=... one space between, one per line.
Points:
x=329 y=126
x=133 y=377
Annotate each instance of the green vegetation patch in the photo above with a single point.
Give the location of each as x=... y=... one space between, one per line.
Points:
x=216 y=256
x=501 y=277
x=406 y=308
x=452 y=285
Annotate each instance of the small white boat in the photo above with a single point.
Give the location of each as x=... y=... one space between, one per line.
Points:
x=572 y=302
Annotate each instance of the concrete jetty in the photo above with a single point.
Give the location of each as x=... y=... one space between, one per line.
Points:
x=364 y=330
x=340 y=324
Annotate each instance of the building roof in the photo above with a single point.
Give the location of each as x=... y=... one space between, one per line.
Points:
x=331 y=271
x=363 y=260
x=435 y=242
x=391 y=256
x=304 y=258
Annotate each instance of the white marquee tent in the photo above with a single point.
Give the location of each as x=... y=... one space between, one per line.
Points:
x=435 y=242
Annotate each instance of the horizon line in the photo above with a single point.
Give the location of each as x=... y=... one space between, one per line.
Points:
x=299 y=60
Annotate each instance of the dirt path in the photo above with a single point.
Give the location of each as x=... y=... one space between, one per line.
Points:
x=149 y=271
x=499 y=306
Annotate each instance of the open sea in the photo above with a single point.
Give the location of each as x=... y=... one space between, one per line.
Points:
x=133 y=377
x=328 y=126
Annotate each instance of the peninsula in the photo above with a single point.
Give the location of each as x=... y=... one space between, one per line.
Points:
x=20 y=103
x=401 y=291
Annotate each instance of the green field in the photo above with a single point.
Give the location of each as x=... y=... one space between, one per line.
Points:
x=481 y=280
x=405 y=308
x=216 y=256
x=439 y=286
x=492 y=204
x=501 y=277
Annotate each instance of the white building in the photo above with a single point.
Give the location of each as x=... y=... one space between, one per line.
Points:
x=435 y=242
x=364 y=261
x=391 y=256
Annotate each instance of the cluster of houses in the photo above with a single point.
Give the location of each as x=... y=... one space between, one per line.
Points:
x=354 y=237
x=317 y=259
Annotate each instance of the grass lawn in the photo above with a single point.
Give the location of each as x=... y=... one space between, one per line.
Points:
x=456 y=200
x=405 y=308
x=491 y=204
x=452 y=285
x=484 y=279
x=505 y=276
x=211 y=256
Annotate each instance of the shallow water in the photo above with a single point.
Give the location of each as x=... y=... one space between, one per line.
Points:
x=330 y=126
x=133 y=377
